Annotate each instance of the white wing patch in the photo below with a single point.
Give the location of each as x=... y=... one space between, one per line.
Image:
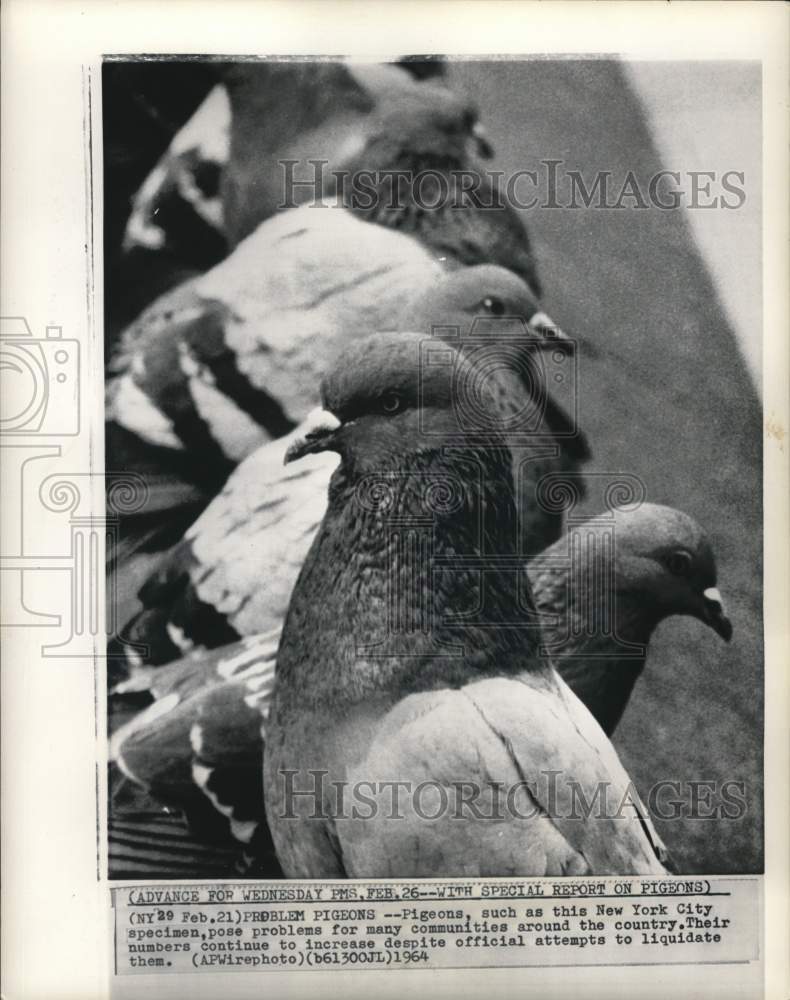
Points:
x=242 y=830
x=132 y=409
x=179 y=638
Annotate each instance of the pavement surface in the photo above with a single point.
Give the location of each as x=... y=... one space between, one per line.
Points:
x=664 y=394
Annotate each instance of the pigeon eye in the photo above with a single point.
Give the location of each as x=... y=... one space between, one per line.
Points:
x=678 y=563
x=390 y=402
x=494 y=306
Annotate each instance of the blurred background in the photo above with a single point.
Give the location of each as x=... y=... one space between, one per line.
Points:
x=667 y=304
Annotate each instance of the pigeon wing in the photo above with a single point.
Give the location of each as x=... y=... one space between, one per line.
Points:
x=249 y=546
x=234 y=357
x=202 y=739
x=234 y=571
x=528 y=762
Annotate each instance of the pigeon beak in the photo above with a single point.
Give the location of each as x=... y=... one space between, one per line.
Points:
x=544 y=325
x=713 y=613
x=556 y=419
x=549 y=332
x=484 y=147
x=317 y=429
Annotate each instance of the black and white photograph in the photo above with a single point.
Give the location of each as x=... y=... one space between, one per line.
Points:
x=394 y=546
x=439 y=383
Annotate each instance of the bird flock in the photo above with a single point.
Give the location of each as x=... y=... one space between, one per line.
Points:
x=350 y=562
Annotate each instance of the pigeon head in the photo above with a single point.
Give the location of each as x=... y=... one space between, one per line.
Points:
x=485 y=297
x=426 y=125
x=493 y=317
x=390 y=394
x=665 y=560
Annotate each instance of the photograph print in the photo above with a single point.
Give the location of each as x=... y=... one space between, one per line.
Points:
x=433 y=396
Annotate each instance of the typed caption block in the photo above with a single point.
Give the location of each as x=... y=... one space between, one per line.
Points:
x=255 y=926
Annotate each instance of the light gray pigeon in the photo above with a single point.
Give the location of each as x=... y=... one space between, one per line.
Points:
x=230 y=360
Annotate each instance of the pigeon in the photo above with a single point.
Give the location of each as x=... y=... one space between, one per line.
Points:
x=604 y=588
x=410 y=653
x=665 y=566
x=197 y=748
x=289 y=115
x=225 y=362
x=233 y=573
x=231 y=359
x=220 y=176
x=209 y=367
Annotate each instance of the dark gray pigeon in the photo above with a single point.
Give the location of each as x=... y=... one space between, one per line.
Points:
x=606 y=586
x=409 y=655
x=664 y=566
x=294 y=113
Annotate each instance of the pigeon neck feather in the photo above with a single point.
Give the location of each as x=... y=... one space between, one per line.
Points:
x=600 y=660
x=390 y=599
